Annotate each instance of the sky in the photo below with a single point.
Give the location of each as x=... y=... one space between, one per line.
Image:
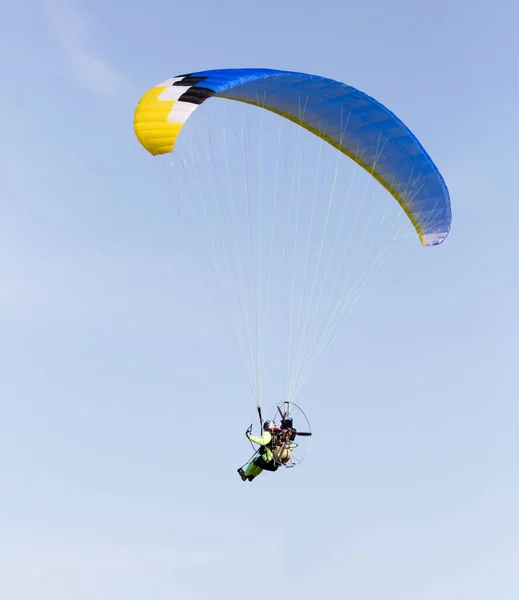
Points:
x=122 y=399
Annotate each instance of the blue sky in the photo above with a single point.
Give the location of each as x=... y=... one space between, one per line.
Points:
x=123 y=404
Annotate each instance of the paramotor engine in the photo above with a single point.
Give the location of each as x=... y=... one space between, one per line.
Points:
x=291 y=446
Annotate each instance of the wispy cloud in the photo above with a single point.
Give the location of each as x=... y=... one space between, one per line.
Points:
x=72 y=30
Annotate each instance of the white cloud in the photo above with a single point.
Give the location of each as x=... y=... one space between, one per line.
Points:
x=72 y=30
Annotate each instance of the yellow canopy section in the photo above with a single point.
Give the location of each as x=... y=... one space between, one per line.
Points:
x=152 y=122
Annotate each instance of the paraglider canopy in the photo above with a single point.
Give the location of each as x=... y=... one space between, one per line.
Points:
x=351 y=121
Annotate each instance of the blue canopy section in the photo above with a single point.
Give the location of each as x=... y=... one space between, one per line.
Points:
x=354 y=123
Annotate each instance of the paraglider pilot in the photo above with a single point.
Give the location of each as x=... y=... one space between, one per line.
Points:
x=265 y=459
